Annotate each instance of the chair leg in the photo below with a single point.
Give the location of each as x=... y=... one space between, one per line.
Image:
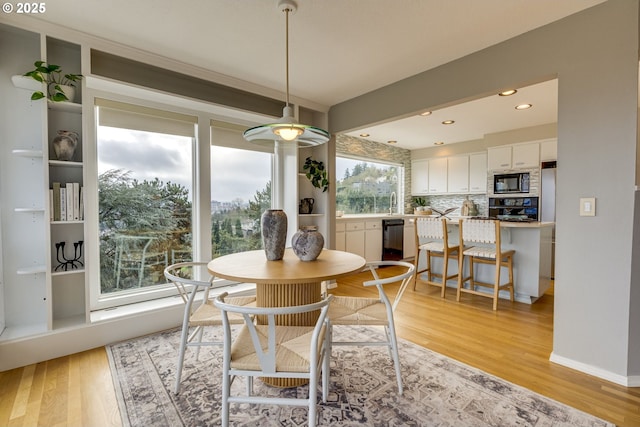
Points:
x=496 y=285
x=184 y=338
x=326 y=370
x=460 y=275
x=510 y=266
x=416 y=261
x=429 y=271
x=313 y=397
x=226 y=387
x=200 y=332
x=394 y=356
x=445 y=265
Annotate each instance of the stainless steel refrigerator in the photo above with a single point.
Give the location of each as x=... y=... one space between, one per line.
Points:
x=548 y=203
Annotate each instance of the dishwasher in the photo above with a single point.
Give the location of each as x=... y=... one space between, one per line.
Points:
x=392 y=239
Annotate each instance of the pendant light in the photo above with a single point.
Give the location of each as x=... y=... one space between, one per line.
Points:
x=287 y=127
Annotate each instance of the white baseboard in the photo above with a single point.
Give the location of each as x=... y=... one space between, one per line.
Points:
x=630 y=381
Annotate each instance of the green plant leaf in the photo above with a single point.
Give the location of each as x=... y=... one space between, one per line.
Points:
x=37 y=95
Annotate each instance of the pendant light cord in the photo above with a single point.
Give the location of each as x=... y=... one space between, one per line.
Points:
x=286 y=11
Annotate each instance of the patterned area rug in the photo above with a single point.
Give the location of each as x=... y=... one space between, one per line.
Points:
x=438 y=391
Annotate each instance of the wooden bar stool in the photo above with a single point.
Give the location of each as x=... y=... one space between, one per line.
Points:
x=486 y=234
x=432 y=238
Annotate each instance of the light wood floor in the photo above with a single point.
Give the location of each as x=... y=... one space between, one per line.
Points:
x=513 y=343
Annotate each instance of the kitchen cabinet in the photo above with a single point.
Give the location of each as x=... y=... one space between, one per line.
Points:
x=478 y=173
x=438 y=175
x=340 y=236
x=518 y=156
x=409 y=244
x=526 y=155
x=458 y=174
x=420 y=177
x=549 y=150
x=354 y=238
x=373 y=241
x=499 y=158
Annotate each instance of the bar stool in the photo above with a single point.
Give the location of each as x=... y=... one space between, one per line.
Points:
x=432 y=238
x=485 y=233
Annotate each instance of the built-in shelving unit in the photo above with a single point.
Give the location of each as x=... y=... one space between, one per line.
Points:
x=35 y=297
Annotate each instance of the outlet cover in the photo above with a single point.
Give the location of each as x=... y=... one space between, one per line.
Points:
x=588 y=206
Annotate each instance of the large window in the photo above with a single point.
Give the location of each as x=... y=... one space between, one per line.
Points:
x=240 y=192
x=145 y=184
x=364 y=186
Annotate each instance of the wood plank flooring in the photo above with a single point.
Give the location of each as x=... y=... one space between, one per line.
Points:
x=513 y=343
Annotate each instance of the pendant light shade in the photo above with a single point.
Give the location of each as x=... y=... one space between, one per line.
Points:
x=287 y=127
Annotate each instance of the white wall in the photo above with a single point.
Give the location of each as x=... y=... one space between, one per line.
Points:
x=594 y=55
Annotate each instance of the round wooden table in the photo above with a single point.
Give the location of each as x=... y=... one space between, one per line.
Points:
x=286 y=282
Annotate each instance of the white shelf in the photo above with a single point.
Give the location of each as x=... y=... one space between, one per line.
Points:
x=27 y=83
x=65 y=163
x=27 y=153
x=79 y=221
x=36 y=269
x=310 y=215
x=69 y=107
x=68 y=272
x=28 y=210
x=68 y=322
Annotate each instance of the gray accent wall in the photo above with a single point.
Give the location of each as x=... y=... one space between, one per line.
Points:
x=594 y=55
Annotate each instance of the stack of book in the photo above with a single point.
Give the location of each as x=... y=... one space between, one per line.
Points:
x=66 y=202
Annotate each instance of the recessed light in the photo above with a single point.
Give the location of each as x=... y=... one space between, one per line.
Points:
x=392 y=141
x=426 y=113
x=439 y=143
x=508 y=92
x=364 y=135
x=523 y=106
x=448 y=122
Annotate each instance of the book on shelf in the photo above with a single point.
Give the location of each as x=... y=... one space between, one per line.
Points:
x=56 y=201
x=51 y=204
x=70 y=208
x=81 y=203
x=75 y=201
x=63 y=204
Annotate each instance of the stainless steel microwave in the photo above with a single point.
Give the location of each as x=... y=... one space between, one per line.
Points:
x=510 y=183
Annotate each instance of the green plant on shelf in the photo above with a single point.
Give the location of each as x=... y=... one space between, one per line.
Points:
x=316 y=173
x=55 y=80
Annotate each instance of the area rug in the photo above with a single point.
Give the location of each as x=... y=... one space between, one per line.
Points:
x=438 y=390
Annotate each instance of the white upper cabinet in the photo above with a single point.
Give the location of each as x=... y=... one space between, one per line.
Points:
x=420 y=177
x=526 y=156
x=438 y=175
x=549 y=150
x=478 y=173
x=458 y=174
x=517 y=156
x=499 y=158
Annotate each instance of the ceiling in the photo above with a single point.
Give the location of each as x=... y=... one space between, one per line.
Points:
x=339 y=49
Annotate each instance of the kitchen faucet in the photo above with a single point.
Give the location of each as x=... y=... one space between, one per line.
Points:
x=392 y=201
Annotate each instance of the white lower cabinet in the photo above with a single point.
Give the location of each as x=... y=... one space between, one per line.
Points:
x=354 y=238
x=340 y=237
x=408 y=244
x=362 y=238
x=373 y=241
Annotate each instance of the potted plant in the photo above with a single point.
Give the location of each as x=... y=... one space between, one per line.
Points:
x=421 y=204
x=57 y=83
x=316 y=173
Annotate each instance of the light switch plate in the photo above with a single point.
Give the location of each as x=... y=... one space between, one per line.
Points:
x=588 y=206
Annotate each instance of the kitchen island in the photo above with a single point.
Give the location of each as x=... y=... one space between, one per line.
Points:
x=532 y=242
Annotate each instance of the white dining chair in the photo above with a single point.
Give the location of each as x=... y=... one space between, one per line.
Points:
x=352 y=311
x=432 y=240
x=191 y=278
x=266 y=349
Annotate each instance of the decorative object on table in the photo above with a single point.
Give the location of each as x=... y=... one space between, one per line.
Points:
x=307 y=243
x=316 y=173
x=59 y=87
x=64 y=145
x=65 y=263
x=421 y=206
x=443 y=213
x=306 y=205
x=468 y=208
x=274 y=233
x=143 y=370
x=287 y=129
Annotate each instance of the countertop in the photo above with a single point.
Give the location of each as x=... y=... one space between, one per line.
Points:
x=452 y=220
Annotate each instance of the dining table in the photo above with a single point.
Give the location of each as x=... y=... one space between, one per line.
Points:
x=286 y=282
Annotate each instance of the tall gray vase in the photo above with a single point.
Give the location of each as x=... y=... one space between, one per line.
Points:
x=274 y=233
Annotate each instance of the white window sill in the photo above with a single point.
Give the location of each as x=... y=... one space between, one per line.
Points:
x=163 y=303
